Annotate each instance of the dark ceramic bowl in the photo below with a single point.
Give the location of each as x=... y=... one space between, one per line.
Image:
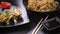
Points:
x=53 y=13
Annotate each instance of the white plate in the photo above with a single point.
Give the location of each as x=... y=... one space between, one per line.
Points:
x=24 y=15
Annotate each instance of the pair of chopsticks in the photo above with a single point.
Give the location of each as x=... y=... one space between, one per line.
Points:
x=38 y=26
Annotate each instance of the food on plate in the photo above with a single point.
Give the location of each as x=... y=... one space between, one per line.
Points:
x=17 y=14
x=9 y=15
x=2 y=18
x=7 y=18
x=16 y=11
x=42 y=5
x=5 y=5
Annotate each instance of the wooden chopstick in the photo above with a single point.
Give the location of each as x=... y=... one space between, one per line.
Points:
x=37 y=26
x=40 y=26
x=36 y=29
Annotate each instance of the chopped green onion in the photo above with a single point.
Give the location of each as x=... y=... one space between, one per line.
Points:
x=38 y=6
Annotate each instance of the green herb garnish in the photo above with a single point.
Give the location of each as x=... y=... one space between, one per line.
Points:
x=38 y=7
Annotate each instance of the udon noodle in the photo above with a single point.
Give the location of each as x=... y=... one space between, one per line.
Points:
x=42 y=5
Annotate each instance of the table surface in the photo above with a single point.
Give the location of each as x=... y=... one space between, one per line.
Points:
x=27 y=28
